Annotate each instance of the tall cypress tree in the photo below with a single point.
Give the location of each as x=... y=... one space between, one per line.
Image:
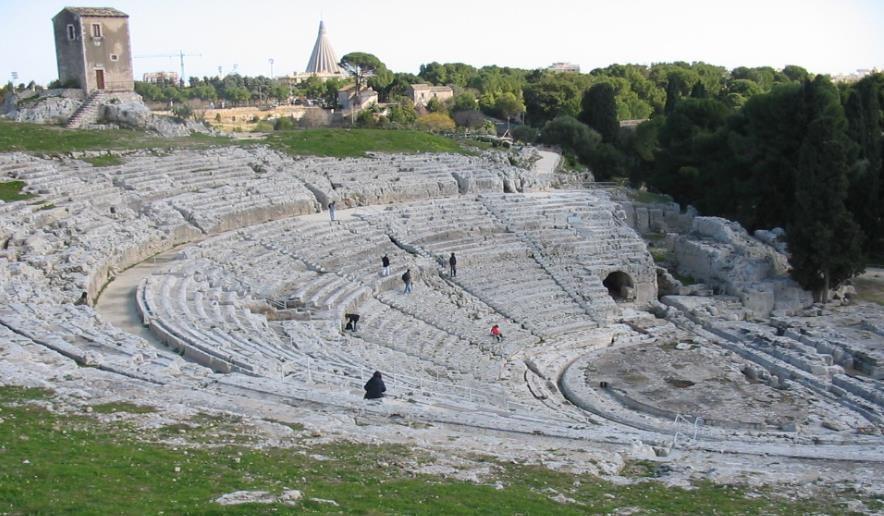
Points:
x=864 y=127
x=600 y=111
x=824 y=240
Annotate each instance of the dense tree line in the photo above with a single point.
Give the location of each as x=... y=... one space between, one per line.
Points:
x=806 y=156
x=762 y=146
x=236 y=89
x=640 y=91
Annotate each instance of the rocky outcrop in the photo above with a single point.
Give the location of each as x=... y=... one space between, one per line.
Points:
x=45 y=107
x=132 y=113
x=722 y=254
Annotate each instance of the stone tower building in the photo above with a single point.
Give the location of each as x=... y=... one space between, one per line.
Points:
x=92 y=48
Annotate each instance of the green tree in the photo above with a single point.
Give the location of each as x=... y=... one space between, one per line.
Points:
x=553 y=95
x=824 y=240
x=456 y=74
x=465 y=101
x=469 y=119
x=679 y=83
x=600 y=111
x=402 y=111
x=150 y=92
x=238 y=94
x=398 y=87
x=182 y=111
x=362 y=66
x=509 y=106
x=691 y=148
x=574 y=137
x=863 y=111
x=434 y=105
x=795 y=73
x=525 y=133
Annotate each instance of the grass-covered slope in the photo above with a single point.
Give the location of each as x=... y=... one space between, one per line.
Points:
x=54 y=464
x=317 y=142
x=15 y=136
x=356 y=142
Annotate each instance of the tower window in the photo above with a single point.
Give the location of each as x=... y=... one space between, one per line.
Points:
x=96 y=30
x=114 y=57
x=72 y=32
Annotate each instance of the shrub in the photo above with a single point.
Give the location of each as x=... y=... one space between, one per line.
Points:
x=182 y=111
x=68 y=84
x=264 y=127
x=573 y=136
x=472 y=119
x=284 y=123
x=525 y=133
x=436 y=122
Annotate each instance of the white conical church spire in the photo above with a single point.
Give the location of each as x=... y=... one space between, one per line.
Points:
x=323 y=60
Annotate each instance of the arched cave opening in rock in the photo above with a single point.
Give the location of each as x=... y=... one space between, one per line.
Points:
x=620 y=286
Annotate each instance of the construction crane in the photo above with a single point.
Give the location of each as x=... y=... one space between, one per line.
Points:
x=180 y=55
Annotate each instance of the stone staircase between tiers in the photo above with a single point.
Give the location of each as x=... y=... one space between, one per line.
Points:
x=88 y=113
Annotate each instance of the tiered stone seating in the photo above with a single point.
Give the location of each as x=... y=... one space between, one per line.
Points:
x=212 y=325
x=458 y=312
x=77 y=334
x=581 y=241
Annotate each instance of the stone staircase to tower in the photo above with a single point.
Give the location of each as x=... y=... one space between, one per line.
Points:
x=88 y=112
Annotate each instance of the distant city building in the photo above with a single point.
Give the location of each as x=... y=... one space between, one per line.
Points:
x=348 y=100
x=160 y=77
x=564 y=68
x=323 y=62
x=92 y=48
x=420 y=94
x=856 y=76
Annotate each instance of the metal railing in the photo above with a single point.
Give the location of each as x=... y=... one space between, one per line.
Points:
x=693 y=422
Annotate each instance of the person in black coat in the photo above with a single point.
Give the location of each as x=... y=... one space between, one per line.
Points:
x=352 y=319
x=375 y=387
x=452 y=263
x=406 y=278
x=385 y=264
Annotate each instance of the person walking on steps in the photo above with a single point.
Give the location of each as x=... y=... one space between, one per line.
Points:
x=406 y=278
x=375 y=388
x=452 y=265
x=385 y=266
x=331 y=211
x=496 y=333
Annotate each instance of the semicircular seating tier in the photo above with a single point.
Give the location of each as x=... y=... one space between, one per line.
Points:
x=255 y=291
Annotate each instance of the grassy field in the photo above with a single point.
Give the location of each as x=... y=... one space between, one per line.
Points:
x=11 y=191
x=356 y=142
x=318 y=142
x=25 y=137
x=54 y=464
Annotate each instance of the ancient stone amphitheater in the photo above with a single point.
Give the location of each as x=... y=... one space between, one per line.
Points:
x=217 y=274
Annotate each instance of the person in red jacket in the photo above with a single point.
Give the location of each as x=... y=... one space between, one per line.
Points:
x=496 y=333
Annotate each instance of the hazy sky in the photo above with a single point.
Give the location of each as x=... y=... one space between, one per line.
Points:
x=825 y=36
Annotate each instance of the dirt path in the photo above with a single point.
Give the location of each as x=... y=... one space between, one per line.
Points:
x=117 y=306
x=548 y=162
